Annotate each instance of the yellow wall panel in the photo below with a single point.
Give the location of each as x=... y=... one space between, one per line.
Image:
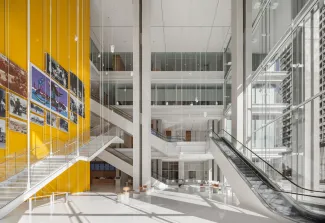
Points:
x=53 y=27
x=75 y=179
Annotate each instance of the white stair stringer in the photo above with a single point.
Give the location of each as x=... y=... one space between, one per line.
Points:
x=244 y=193
x=159 y=144
x=127 y=168
x=55 y=171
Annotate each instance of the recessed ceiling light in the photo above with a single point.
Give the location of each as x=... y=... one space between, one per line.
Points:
x=166 y=102
x=216 y=103
x=76 y=38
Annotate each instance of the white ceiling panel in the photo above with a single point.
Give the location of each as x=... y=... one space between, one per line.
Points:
x=189 y=12
x=223 y=15
x=157 y=39
x=186 y=39
x=218 y=39
x=176 y=25
x=121 y=37
x=111 y=13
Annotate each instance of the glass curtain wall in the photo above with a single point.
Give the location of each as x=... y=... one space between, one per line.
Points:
x=286 y=97
x=169 y=94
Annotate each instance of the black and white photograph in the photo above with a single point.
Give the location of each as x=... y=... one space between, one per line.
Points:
x=17 y=126
x=36 y=109
x=81 y=109
x=73 y=117
x=73 y=83
x=73 y=104
x=37 y=119
x=17 y=106
x=64 y=125
x=2 y=133
x=51 y=119
x=56 y=71
x=81 y=90
x=2 y=103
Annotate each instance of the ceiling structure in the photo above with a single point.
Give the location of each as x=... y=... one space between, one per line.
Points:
x=176 y=25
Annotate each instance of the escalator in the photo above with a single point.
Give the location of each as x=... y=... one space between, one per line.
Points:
x=255 y=182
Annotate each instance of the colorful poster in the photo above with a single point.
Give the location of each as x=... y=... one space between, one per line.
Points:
x=51 y=119
x=64 y=125
x=48 y=93
x=4 y=69
x=17 y=126
x=17 y=106
x=73 y=83
x=73 y=117
x=37 y=119
x=36 y=109
x=56 y=71
x=2 y=133
x=59 y=99
x=17 y=79
x=2 y=103
x=40 y=85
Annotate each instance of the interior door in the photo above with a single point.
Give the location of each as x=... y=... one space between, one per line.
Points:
x=188 y=136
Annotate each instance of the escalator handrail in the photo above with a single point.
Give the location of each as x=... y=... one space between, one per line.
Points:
x=114 y=149
x=260 y=175
x=269 y=165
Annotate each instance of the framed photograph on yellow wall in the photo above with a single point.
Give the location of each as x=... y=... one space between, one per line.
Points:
x=3 y=103
x=2 y=133
x=17 y=106
x=17 y=125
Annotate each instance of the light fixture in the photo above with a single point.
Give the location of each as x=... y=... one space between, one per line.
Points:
x=76 y=38
x=124 y=89
x=131 y=74
x=205 y=114
x=106 y=73
x=117 y=103
x=196 y=99
x=112 y=48
x=99 y=55
x=191 y=103
x=216 y=103
x=166 y=102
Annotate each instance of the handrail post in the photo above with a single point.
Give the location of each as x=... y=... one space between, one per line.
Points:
x=30 y=208
x=15 y=163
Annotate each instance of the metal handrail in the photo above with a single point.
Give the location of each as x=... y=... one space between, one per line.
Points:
x=269 y=165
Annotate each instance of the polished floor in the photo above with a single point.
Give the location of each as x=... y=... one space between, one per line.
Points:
x=187 y=204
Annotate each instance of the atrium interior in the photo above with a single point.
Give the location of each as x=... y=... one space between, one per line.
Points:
x=162 y=111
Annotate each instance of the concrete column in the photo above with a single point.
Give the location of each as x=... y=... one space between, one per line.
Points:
x=210 y=170
x=146 y=94
x=136 y=96
x=181 y=170
x=248 y=71
x=215 y=172
x=160 y=169
x=237 y=57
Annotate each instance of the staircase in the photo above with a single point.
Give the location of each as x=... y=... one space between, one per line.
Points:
x=14 y=189
x=125 y=164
